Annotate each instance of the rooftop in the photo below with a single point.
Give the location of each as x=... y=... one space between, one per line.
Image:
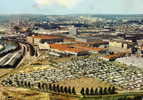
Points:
x=114 y=56
x=64 y=47
x=46 y=37
x=90 y=48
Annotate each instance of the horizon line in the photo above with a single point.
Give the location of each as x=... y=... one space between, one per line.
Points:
x=71 y=14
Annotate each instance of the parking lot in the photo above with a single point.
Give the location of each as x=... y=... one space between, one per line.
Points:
x=132 y=60
x=128 y=78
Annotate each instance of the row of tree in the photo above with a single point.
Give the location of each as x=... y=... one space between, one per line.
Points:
x=98 y=91
x=68 y=90
x=57 y=88
x=26 y=84
x=48 y=87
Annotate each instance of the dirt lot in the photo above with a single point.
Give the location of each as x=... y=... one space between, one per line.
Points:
x=11 y=93
x=4 y=71
x=84 y=82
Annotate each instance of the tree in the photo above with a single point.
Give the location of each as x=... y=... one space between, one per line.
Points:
x=73 y=90
x=58 y=88
x=39 y=85
x=62 y=89
x=69 y=90
x=82 y=91
x=22 y=83
x=66 y=89
x=92 y=91
x=101 y=91
x=54 y=87
x=29 y=84
x=25 y=84
x=109 y=90
x=113 y=89
x=87 y=91
x=50 y=86
x=96 y=91
x=105 y=91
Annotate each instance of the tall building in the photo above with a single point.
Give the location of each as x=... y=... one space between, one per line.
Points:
x=73 y=30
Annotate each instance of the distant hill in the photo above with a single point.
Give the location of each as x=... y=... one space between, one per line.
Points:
x=39 y=18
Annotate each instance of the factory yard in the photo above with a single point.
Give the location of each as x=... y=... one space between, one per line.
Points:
x=132 y=60
x=77 y=68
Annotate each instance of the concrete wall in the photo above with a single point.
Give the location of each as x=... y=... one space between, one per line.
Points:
x=115 y=44
x=44 y=46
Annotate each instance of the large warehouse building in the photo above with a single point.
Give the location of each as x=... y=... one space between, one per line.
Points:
x=67 y=49
x=44 y=39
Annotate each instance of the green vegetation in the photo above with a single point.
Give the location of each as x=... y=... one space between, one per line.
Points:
x=98 y=91
x=1 y=32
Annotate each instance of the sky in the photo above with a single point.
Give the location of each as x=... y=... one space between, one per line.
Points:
x=52 y=7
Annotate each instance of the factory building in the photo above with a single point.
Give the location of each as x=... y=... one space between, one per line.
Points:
x=42 y=41
x=67 y=49
x=100 y=44
x=49 y=39
x=87 y=39
x=92 y=49
x=96 y=44
x=73 y=30
x=113 y=57
x=120 y=46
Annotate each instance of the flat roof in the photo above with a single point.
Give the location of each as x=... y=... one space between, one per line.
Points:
x=114 y=56
x=46 y=37
x=64 y=47
x=89 y=48
x=90 y=43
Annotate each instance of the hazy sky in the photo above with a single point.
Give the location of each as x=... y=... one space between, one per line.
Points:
x=71 y=6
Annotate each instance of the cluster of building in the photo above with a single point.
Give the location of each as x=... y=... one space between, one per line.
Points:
x=58 y=44
x=63 y=46
x=112 y=42
x=118 y=36
x=132 y=60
